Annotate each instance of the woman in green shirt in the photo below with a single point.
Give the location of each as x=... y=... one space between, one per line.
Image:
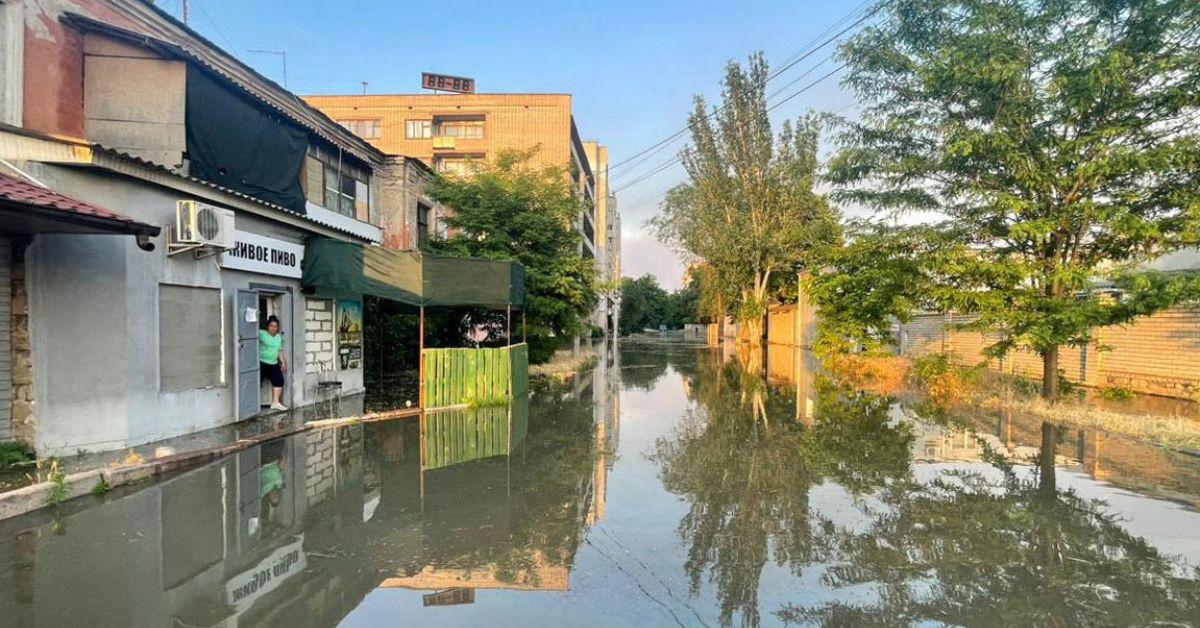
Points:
x=271 y=362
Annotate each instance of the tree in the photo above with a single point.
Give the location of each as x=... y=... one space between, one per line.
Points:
x=509 y=210
x=1057 y=141
x=643 y=304
x=749 y=209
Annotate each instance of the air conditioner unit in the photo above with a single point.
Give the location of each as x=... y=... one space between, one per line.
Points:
x=202 y=225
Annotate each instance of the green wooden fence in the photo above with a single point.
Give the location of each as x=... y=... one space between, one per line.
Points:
x=475 y=377
x=459 y=435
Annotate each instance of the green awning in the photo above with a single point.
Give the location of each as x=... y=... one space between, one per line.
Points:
x=348 y=270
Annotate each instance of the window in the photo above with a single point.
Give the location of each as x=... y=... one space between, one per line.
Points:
x=465 y=128
x=418 y=129
x=337 y=183
x=332 y=191
x=461 y=166
x=423 y=212
x=189 y=337
x=366 y=129
x=346 y=205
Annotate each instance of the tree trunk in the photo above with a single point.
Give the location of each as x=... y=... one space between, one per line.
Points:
x=720 y=319
x=1050 y=387
x=1046 y=479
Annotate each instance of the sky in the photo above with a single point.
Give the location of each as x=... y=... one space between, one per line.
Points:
x=633 y=66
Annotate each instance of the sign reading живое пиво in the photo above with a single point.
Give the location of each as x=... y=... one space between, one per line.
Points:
x=260 y=254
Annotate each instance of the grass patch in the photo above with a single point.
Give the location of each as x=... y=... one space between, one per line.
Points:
x=100 y=488
x=884 y=374
x=14 y=455
x=58 y=485
x=944 y=381
x=1116 y=393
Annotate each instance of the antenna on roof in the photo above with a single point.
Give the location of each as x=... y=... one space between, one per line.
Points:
x=185 y=11
x=281 y=53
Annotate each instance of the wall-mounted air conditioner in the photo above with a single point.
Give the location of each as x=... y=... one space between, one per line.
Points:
x=205 y=228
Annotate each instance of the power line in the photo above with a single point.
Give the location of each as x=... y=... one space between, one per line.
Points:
x=800 y=56
x=211 y=21
x=794 y=94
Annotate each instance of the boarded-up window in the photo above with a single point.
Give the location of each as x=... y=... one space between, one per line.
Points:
x=362 y=209
x=314 y=184
x=189 y=337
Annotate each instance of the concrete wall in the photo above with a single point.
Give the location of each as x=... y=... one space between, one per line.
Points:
x=1157 y=354
x=94 y=324
x=12 y=62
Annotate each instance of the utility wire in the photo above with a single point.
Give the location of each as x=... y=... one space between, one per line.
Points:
x=791 y=96
x=804 y=53
x=214 y=25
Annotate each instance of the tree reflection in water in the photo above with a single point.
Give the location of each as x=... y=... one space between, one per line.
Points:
x=1003 y=548
x=984 y=544
x=745 y=466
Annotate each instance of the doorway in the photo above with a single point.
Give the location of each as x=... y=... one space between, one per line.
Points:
x=276 y=302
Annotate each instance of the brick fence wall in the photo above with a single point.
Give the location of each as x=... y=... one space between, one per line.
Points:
x=1157 y=354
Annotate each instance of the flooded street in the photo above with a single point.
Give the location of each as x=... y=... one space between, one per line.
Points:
x=673 y=485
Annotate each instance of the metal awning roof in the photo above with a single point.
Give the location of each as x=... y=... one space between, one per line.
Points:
x=337 y=268
x=28 y=208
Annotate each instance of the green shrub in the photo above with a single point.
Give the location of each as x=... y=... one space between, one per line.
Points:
x=14 y=454
x=1117 y=393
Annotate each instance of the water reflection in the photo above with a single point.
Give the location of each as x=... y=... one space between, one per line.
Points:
x=671 y=485
x=298 y=530
x=745 y=466
x=953 y=545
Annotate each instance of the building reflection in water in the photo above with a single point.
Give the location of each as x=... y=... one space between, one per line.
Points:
x=297 y=531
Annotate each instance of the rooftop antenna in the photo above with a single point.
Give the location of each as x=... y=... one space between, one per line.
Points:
x=280 y=53
x=185 y=12
x=364 y=84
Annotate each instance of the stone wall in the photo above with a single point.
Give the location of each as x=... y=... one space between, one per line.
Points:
x=23 y=417
x=318 y=335
x=1157 y=354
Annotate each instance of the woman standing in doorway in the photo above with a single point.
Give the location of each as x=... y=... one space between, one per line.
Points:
x=271 y=362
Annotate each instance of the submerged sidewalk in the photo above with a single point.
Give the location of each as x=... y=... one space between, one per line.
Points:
x=39 y=486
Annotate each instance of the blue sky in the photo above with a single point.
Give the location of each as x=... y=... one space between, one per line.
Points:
x=633 y=66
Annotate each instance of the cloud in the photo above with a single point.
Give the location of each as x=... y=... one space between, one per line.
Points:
x=641 y=253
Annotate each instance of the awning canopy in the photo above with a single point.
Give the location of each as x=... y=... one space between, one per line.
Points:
x=27 y=208
x=346 y=269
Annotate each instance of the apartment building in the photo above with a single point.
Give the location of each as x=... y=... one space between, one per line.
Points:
x=450 y=131
x=607 y=241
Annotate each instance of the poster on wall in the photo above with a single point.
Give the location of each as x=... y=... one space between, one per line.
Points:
x=349 y=334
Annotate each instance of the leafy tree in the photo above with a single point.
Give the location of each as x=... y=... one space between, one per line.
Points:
x=1057 y=139
x=643 y=304
x=879 y=276
x=646 y=305
x=749 y=209
x=508 y=209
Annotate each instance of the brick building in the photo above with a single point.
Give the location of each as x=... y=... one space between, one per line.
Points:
x=449 y=131
x=607 y=240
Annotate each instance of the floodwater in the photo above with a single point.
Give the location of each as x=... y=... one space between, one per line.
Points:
x=673 y=485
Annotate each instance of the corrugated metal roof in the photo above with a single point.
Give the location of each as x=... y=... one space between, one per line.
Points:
x=18 y=192
x=134 y=159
